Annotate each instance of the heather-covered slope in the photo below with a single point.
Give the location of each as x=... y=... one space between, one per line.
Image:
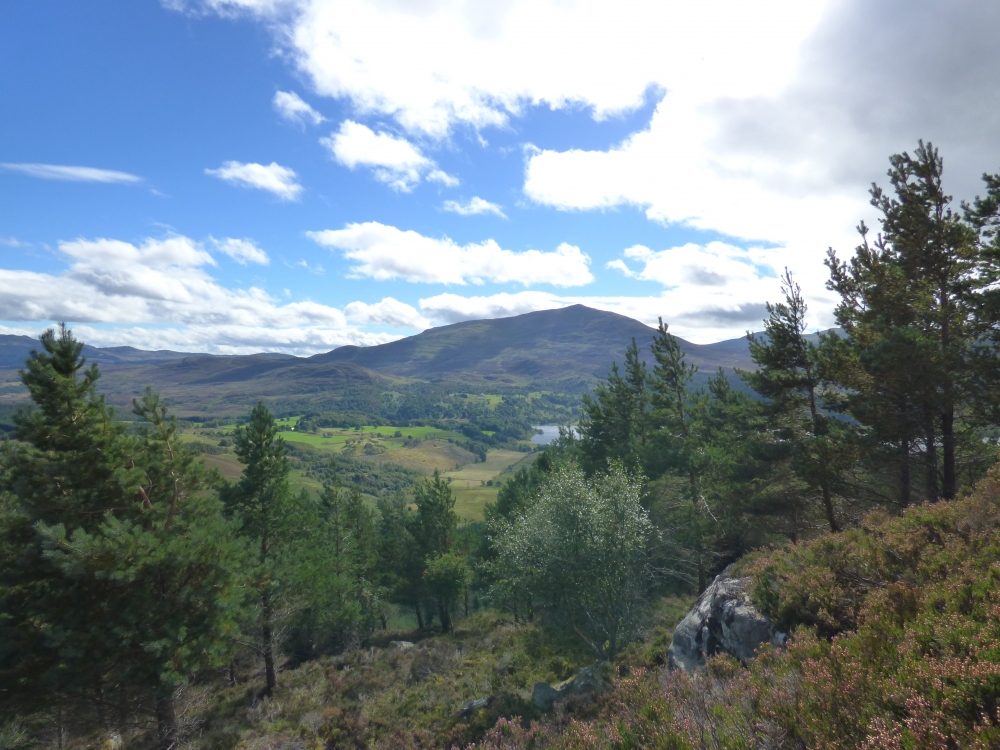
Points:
x=895 y=644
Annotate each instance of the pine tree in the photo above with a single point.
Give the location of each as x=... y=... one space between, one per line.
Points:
x=680 y=447
x=615 y=421
x=790 y=376
x=123 y=581
x=919 y=309
x=265 y=508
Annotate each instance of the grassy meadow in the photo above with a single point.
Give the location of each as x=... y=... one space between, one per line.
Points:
x=419 y=449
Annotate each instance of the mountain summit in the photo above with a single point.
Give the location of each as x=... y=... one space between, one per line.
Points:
x=571 y=342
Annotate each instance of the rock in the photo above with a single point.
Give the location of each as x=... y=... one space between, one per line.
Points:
x=723 y=621
x=468 y=709
x=585 y=682
x=505 y=664
x=543 y=695
x=401 y=645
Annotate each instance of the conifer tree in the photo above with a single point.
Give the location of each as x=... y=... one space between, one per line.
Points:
x=123 y=579
x=679 y=445
x=265 y=508
x=788 y=375
x=918 y=306
x=615 y=421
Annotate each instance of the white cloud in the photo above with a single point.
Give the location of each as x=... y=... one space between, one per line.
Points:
x=71 y=174
x=281 y=181
x=158 y=294
x=436 y=175
x=394 y=161
x=475 y=206
x=716 y=264
x=291 y=106
x=384 y=252
x=242 y=251
x=712 y=292
x=13 y=242
x=453 y=308
x=389 y=312
x=776 y=115
x=434 y=64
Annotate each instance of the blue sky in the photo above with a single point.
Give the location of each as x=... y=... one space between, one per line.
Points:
x=293 y=175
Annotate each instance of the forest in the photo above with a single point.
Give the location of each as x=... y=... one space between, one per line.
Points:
x=146 y=600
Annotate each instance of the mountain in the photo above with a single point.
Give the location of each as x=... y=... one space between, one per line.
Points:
x=15 y=349
x=567 y=349
x=572 y=342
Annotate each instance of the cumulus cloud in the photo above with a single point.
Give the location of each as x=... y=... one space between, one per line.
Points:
x=71 y=174
x=446 y=308
x=474 y=207
x=481 y=63
x=715 y=264
x=291 y=106
x=394 y=161
x=384 y=252
x=159 y=294
x=242 y=251
x=389 y=312
x=436 y=175
x=274 y=178
x=776 y=116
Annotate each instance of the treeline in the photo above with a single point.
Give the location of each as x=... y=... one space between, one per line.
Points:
x=127 y=569
x=897 y=406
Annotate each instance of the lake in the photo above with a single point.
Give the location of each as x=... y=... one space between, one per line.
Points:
x=549 y=432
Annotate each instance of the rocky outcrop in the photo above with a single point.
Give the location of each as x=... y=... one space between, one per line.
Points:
x=588 y=680
x=723 y=621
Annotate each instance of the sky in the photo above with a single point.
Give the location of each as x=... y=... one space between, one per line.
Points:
x=235 y=176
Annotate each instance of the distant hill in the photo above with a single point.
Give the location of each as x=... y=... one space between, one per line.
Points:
x=567 y=349
x=574 y=342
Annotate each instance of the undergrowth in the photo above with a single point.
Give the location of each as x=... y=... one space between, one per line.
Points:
x=895 y=645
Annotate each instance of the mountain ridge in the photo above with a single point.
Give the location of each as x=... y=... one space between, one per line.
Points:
x=566 y=350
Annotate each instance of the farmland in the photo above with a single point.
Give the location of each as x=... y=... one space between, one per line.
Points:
x=420 y=450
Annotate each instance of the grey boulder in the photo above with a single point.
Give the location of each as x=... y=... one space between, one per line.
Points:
x=588 y=680
x=723 y=621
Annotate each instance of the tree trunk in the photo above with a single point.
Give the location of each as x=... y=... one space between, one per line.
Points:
x=824 y=482
x=420 y=617
x=232 y=672
x=948 y=480
x=904 y=472
x=931 y=456
x=466 y=602
x=445 y=617
x=385 y=625
x=166 y=722
x=268 y=638
x=828 y=506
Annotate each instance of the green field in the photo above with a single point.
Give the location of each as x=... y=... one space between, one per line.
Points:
x=428 y=449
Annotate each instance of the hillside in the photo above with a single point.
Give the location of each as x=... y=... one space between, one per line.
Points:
x=565 y=350
x=572 y=342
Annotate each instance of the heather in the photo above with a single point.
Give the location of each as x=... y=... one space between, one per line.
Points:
x=895 y=643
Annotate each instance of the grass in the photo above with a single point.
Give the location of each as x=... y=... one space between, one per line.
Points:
x=467 y=482
x=382 y=696
x=470 y=502
x=466 y=474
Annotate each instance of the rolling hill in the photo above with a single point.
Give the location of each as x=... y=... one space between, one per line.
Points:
x=567 y=349
x=572 y=342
